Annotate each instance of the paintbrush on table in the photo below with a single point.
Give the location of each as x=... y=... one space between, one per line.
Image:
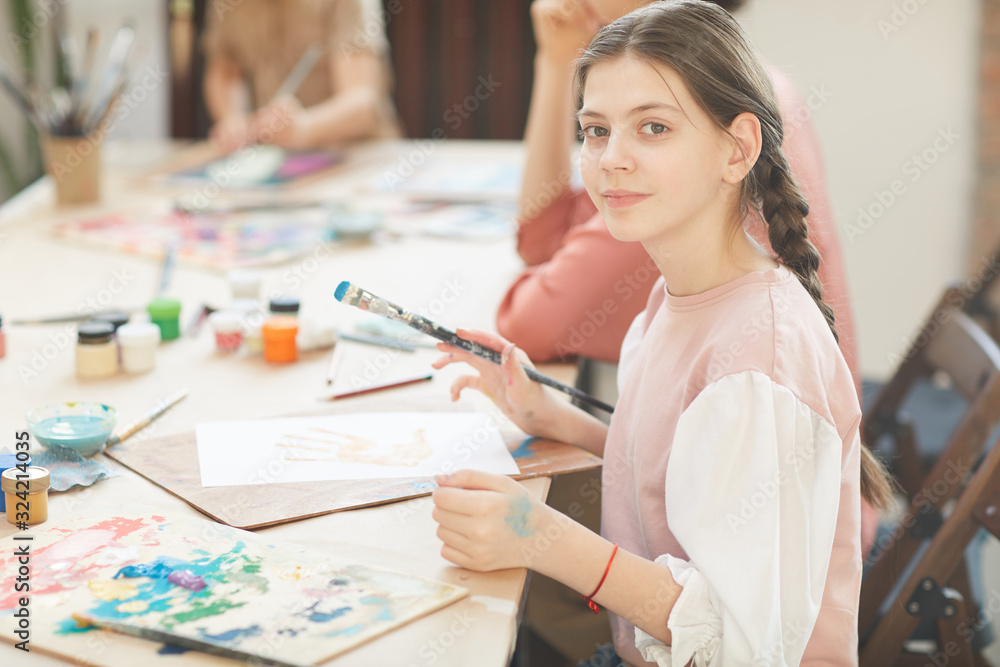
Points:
x=147 y=419
x=353 y=295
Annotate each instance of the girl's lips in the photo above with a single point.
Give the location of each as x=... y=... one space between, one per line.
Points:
x=623 y=199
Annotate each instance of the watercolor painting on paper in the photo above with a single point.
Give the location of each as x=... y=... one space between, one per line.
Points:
x=211 y=583
x=349 y=447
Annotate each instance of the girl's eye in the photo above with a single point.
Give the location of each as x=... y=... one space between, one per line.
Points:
x=653 y=128
x=594 y=131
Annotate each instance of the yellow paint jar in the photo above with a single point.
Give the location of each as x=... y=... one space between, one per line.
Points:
x=26 y=492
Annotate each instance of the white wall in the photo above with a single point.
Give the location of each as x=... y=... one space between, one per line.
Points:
x=900 y=72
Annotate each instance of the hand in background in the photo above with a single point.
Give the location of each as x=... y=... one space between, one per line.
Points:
x=230 y=133
x=524 y=401
x=490 y=522
x=563 y=27
x=281 y=123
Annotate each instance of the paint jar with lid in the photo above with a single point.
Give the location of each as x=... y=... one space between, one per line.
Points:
x=228 y=327
x=279 y=334
x=284 y=305
x=245 y=283
x=166 y=313
x=138 y=341
x=32 y=505
x=96 y=352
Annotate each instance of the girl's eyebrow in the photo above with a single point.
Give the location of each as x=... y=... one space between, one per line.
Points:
x=643 y=108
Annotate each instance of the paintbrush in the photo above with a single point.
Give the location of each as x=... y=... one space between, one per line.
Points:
x=166 y=272
x=299 y=73
x=246 y=657
x=353 y=295
x=120 y=48
x=147 y=419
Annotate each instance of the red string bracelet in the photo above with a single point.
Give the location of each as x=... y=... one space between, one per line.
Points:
x=589 y=598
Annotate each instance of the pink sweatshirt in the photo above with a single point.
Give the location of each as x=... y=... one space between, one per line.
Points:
x=582 y=287
x=733 y=458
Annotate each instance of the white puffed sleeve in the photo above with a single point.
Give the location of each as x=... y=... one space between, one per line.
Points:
x=752 y=495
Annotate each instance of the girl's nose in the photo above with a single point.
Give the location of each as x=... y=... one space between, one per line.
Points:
x=617 y=155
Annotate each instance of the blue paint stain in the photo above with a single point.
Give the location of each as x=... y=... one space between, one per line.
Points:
x=525 y=449
x=233 y=635
x=154 y=570
x=385 y=612
x=517 y=519
x=346 y=632
x=69 y=626
x=423 y=485
x=170 y=649
x=321 y=617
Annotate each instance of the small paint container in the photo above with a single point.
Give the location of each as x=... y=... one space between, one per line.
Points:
x=279 y=334
x=245 y=283
x=137 y=342
x=96 y=352
x=166 y=313
x=284 y=305
x=32 y=506
x=228 y=327
x=7 y=461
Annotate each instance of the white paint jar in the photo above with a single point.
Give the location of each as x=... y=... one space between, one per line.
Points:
x=138 y=343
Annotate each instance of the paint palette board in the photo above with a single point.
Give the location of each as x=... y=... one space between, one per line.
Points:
x=259 y=598
x=171 y=462
x=223 y=241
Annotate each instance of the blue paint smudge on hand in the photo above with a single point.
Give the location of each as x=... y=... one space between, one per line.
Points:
x=517 y=519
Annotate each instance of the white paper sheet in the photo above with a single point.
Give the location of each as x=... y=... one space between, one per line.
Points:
x=350 y=447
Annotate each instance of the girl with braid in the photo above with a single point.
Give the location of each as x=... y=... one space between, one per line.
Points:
x=733 y=471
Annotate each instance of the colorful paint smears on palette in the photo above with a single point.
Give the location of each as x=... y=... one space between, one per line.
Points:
x=208 y=582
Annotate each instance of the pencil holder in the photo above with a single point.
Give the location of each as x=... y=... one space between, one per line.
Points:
x=74 y=164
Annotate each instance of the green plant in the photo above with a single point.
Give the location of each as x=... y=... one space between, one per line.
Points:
x=21 y=15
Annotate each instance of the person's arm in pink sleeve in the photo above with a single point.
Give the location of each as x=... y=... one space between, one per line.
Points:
x=582 y=301
x=540 y=237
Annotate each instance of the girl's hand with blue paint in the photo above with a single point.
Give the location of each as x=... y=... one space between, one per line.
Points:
x=527 y=403
x=490 y=522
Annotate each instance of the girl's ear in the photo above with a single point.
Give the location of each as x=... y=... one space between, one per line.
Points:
x=746 y=142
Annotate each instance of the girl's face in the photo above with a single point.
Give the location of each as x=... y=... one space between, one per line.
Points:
x=652 y=159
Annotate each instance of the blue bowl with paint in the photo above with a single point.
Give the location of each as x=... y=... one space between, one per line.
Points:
x=83 y=426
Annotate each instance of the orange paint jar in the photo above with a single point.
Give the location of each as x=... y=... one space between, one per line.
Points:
x=279 y=334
